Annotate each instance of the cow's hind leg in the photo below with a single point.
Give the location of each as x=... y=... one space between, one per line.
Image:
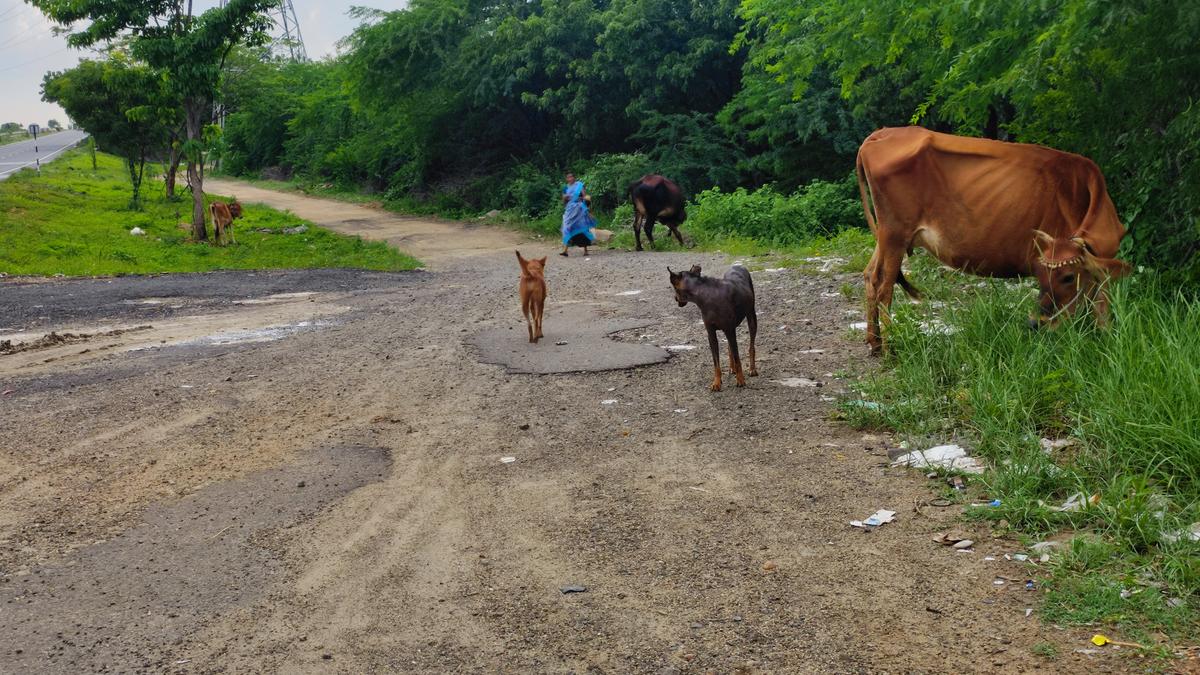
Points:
x=637 y=229
x=648 y=228
x=882 y=275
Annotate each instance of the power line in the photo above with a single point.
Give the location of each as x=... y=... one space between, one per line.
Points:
x=40 y=58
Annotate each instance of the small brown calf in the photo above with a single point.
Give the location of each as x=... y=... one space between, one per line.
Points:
x=222 y=217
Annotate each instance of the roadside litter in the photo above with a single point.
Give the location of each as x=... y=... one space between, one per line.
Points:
x=796 y=382
x=1049 y=446
x=954 y=539
x=943 y=457
x=1102 y=640
x=679 y=348
x=638 y=292
x=138 y=232
x=876 y=519
x=1191 y=534
x=507 y=460
x=1077 y=502
x=608 y=401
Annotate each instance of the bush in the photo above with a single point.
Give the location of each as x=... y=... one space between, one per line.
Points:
x=820 y=208
x=530 y=191
x=608 y=178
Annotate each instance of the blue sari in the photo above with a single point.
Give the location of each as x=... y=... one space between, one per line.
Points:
x=577 y=223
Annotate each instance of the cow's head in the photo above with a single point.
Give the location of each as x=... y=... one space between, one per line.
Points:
x=1070 y=275
x=682 y=282
x=235 y=208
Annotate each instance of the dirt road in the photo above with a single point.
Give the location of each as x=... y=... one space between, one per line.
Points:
x=301 y=472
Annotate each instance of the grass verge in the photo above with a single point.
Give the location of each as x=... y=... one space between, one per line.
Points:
x=74 y=221
x=1125 y=402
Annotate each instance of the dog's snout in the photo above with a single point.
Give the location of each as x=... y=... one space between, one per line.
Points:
x=1034 y=323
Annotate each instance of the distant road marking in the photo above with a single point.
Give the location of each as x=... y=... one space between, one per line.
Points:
x=47 y=158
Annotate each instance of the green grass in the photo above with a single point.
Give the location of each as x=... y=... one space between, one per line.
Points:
x=74 y=221
x=964 y=368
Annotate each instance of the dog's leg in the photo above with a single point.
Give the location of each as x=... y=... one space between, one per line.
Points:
x=752 y=322
x=539 y=308
x=716 y=354
x=731 y=337
x=526 y=303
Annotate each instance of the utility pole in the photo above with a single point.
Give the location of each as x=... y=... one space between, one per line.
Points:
x=285 y=19
x=37 y=157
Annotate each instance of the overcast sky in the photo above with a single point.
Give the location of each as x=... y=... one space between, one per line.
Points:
x=29 y=48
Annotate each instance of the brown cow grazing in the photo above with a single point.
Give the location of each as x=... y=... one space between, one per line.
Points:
x=991 y=208
x=656 y=198
x=222 y=217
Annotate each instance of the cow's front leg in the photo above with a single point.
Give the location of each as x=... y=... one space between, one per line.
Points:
x=679 y=237
x=648 y=227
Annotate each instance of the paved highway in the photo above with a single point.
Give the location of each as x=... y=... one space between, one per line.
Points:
x=17 y=156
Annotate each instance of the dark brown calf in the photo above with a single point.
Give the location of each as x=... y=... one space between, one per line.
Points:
x=723 y=304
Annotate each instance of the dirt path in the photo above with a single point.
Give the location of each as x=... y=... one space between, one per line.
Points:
x=333 y=499
x=432 y=241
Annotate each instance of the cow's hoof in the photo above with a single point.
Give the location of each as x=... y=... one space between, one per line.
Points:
x=754 y=372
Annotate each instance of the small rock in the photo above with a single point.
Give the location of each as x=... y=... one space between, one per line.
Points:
x=770 y=566
x=300 y=484
x=572 y=588
x=524 y=427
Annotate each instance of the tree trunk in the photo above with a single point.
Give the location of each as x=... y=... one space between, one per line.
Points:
x=172 y=168
x=193 y=109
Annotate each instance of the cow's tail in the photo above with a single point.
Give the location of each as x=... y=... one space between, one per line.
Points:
x=908 y=288
x=863 y=192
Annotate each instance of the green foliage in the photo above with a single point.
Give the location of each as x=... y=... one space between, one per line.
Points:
x=73 y=220
x=818 y=209
x=1112 y=81
x=123 y=105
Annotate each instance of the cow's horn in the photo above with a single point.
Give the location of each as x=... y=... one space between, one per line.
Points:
x=1043 y=236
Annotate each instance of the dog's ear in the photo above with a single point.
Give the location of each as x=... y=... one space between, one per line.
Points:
x=695 y=271
x=543 y=260
x=674 y=275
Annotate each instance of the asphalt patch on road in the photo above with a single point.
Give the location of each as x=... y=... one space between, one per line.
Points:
x=574 y=342
x=129 y=603
x=27 y=305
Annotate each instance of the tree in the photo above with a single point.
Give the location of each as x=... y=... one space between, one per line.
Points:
x=11 y=127
x=121 y=104
x=53 y=124
x=189 y=49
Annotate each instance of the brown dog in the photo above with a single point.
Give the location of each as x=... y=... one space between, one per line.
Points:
x=533 y=294
x=222 y=217
x=723 y=304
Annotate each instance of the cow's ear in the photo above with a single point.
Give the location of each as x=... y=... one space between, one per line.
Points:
x=1108 y=267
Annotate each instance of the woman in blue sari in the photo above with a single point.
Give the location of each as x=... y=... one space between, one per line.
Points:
x=577 y=223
